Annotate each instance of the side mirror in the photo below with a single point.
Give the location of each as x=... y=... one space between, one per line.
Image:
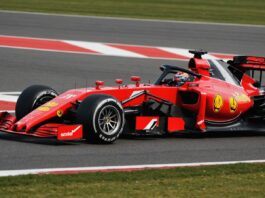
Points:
x=99 y=83
x=119 y=82
x=136 y=79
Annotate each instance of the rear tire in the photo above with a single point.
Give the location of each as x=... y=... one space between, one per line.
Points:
x=33 y=97
x=102 y=117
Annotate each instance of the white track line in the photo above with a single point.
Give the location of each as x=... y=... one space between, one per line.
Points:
x=133 y=19
x=8 y=98
x=4 y=173
x=14 y=92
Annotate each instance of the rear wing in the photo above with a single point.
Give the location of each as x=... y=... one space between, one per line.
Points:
x=251 y=65
x=244 y=63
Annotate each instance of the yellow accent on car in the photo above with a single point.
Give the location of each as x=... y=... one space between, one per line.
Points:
x=217 y=103
x=232 y=104
x=51 y=104
x=43 y=108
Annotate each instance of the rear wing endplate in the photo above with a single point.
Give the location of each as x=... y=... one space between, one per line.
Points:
x=248 y=63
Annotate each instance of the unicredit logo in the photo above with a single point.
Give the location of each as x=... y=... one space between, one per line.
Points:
x=70 y=133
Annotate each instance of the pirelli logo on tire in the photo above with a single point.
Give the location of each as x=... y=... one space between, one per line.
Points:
x=146 y=123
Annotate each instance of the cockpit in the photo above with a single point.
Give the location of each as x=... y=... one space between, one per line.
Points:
x=175 y=76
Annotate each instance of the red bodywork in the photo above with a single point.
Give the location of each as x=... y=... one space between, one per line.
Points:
x=214 y=101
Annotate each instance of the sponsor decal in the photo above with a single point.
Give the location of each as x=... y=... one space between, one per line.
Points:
x=152 y=124
x=232 y=104
x=59 y=113
x=43 y=108
x=147 y=123
x=217 y=103
x=70 y=133
x=47 y=106
x=51 y=104
x=241 y=97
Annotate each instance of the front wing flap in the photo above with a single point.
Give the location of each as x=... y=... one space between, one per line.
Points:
x=50 y=130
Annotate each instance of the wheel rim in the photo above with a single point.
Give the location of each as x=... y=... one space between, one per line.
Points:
x=109 y=120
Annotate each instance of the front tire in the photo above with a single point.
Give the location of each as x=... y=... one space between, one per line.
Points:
x=102 y=117
x=33 y=97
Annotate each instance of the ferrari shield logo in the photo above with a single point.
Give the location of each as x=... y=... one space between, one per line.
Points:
x=217 y=103
x=232 y=104
x=59 y=113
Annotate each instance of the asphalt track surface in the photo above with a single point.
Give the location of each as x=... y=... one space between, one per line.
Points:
x=20 y=68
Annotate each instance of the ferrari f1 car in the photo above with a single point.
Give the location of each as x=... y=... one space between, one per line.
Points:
x=210 y=95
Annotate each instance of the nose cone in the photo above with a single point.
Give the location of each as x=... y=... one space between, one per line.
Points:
x=19 y=126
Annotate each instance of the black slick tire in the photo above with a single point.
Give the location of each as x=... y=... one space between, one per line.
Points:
x=102 y=118
x=33 y=97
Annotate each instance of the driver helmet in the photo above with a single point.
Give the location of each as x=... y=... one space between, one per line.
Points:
x=181 y=77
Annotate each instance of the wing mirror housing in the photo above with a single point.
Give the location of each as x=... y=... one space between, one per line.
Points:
x=99 y=83
x=136 y=79
x=119 y=82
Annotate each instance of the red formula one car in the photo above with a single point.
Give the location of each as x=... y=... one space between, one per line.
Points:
x=209 y=96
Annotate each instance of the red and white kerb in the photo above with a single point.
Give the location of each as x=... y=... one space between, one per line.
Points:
x=104 y=49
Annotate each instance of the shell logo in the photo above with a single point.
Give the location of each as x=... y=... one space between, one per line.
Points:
x=217 y=103
x=232 y=104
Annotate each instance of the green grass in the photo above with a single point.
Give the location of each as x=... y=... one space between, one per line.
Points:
x=242 y=180
x=231 y=11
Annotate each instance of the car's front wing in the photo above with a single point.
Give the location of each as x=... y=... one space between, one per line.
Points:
x=48 y=130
